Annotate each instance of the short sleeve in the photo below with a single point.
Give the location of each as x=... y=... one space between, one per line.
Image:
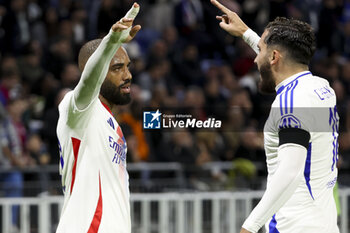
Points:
x=74 y=117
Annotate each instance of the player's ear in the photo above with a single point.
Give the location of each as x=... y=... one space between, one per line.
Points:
x=275 y=57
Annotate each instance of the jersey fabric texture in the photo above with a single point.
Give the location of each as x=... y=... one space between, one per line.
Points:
x=93 y=169
x=307 y=102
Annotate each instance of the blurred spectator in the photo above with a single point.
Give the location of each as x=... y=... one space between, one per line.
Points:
x=30 y=65
x=51 y=20
x=60 y=52
x=194 y=103
x=159 y=14
x=16 y=107
x=16 y=26
x=37 y=26
x=232 y=126
x=189 y=21
x=172 y=42
x=11 y=159
x=70 y=75
x=228 y=80
x=158 y=51
x=180 y=147
x=155 y=75
x=10 y=82
x=188 y=17
x=138 y=148
x=211 y=146
x=2 y=31
x=48 y=132
x=79 y=26
x=345 y=76
x=328 y=23
x=187 y=66
x=256 y=14
x=107 y=14
x=215 y=100
x=251 y=146
x=36 y=150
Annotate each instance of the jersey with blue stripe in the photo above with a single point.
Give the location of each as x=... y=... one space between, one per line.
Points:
x=307 y=102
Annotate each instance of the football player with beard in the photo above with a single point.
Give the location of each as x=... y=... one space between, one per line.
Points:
x=92 y=146
x=300 y=134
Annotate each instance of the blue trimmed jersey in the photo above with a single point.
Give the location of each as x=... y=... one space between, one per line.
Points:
x=307 y=102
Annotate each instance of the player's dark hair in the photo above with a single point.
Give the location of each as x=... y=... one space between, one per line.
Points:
x=295 y=36
x=86 y=51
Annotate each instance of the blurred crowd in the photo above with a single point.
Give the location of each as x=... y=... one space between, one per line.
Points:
x=181 y=59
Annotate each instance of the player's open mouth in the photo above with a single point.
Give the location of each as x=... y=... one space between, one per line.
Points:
x=126 y=88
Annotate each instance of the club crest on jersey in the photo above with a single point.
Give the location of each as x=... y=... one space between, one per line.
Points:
x=289 y=121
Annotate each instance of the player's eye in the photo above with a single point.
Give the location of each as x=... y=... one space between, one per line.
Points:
x=117 y=67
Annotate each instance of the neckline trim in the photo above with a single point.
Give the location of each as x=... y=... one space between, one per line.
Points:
x=281 y=88
x=106 y=107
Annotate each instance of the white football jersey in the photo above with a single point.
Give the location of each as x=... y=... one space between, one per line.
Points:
x=307 y=102
x=93 y=169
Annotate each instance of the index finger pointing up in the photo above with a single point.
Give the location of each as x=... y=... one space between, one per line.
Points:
x=133 y=11
x=220 y=6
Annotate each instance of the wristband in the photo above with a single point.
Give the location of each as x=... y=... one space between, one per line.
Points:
x=252 y=39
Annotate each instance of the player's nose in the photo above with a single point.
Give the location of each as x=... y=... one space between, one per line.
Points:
x=128 y=74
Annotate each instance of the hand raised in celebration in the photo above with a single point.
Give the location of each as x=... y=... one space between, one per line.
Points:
x=124 y=26
x=230 y=21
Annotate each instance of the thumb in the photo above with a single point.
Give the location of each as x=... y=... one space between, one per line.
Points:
x=224 y=26
x=134 y=30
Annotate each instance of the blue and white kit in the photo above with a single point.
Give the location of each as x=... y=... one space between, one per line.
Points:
x=302 y=201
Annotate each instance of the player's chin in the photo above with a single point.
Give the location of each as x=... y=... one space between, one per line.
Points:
x=125 y=99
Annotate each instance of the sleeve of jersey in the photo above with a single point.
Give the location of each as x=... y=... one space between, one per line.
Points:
x=97 y=66
x=95 y=71
x=252 y=39
x=298 y=106
x=281 y=186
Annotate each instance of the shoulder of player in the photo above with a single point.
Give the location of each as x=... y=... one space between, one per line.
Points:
x=65 y=100
x=68 y=108
x=312 y=91
x=308 y=91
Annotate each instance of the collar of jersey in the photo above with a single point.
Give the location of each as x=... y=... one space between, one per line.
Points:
x=280 y=87
x=106 y=107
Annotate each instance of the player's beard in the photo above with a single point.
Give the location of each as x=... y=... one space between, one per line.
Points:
x=267 y=83
x=113 y=93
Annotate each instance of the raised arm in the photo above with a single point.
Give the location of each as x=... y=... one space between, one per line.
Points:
x=234 y=25
x=96 y=68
